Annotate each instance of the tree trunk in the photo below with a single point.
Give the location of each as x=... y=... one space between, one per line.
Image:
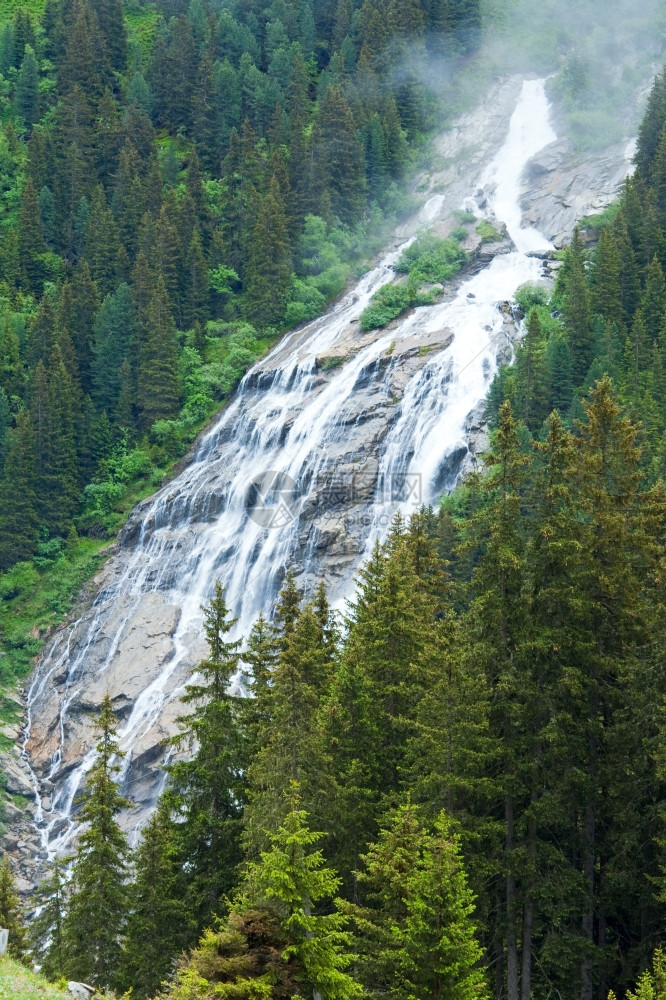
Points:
x=511 y=937
x=587 y=987
x=528 y=919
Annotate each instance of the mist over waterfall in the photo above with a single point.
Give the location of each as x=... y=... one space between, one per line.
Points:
x=326 y=438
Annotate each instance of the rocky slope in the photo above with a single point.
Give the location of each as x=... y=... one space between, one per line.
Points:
x=134 y=641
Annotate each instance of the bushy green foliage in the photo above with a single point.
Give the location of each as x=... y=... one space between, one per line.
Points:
x=488 y=232
x=431 y=259
x=426 y=260
x=386 y=304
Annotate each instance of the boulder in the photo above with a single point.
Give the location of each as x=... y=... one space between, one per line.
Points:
x=81 y=991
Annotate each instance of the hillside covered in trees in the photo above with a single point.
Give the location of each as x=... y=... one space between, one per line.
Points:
x=457 y=792
x=180 y=182
x=460 y=793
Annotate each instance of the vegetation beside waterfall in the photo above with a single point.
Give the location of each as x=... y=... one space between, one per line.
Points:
x=458 y=791
x=465 y=784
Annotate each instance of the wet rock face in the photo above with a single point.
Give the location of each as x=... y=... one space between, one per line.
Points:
x=561 y=187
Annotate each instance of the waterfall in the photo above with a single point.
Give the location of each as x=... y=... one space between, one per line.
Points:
x=280 y=441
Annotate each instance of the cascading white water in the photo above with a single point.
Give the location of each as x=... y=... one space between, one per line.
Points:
x=287 y=417
x=433 y=412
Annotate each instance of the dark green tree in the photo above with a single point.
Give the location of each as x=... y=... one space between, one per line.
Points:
x=18 y=497
x=11 y=913
x=269 y=264
x=159 y=925
x=26 y=97
x=46 y=928
x=97 y=907
x=208 y=790
x=158 y=392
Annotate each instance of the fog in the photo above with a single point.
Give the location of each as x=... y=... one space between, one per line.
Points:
x=601 y=56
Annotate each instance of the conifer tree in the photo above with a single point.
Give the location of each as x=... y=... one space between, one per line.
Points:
x=47 y=927
x=260 y=657
x=158 y=392
x=439 y=955
x=269 y=264
x=97 y=907
x=113 y=331
x=380 y=923
x=208 y=790
x=292 y=750
x=531 y=374
x=577 y=307
x=31 y=238
x=26 y=98
x=18 y=497
x=496 y=622
x=607 y=291
x=159 y=925
x=11 y=916
x=653 y=302
x=291 y=877
x=339 y=154
x=111 y=20
x=53 y=415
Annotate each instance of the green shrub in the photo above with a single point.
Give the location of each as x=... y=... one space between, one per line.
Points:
x=20 y=579
x=529 y=296
x=487 y=232
x=390 y=301
x=431 y=259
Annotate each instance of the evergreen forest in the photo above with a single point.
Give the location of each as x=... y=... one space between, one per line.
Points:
x=457 y=790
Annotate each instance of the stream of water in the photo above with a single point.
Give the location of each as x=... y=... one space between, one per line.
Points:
x=289 y=419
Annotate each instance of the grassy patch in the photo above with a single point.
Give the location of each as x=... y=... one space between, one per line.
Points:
x=19 y=983
x=603 y=219
x=487 y=232
x=328 y=364
x=387 y=304
x=141 y=25
x=34 y=601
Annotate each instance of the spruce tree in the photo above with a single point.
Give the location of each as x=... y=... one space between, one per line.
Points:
x=208 y=790
x=46 y=929
x=26 y=98
x=577 y=307
x=269 y=265
x=97 y=907
x=339 y=155
x=113 y=331
x=496 y=621
x=158 y=392
x=531 y=374
x=292 y=878
x=440 y=957
x=159 y=925
x=292 y=748
x=18 y=497
x=11 y=915
x=31 y=239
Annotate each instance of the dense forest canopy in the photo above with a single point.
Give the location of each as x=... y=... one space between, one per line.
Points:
x=459 y=791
